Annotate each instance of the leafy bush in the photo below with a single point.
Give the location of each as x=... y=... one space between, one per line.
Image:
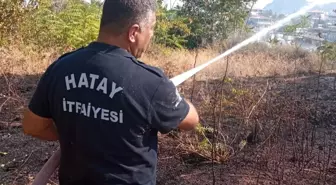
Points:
x=69 y=24
x=13 y=14
x=73 y=26
x=171 y=29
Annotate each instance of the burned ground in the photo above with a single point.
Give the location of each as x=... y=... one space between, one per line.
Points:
x=275 y=130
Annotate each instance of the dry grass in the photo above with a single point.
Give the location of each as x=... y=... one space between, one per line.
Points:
x=25 y=61
x=256 y=60
x=21 y=66
x=263 y=107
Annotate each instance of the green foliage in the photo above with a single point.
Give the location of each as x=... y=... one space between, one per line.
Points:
x=171 y=29
x=303 y=22
x=46 y=23
x=328 y=51
x=69 y=24
x=273 y=41
x=13 y=13
x=203 y=129
x=239 y=92
x=213 y=20
x=74 y=26
x=205 y=144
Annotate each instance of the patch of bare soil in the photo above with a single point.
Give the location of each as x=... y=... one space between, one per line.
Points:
x=287 y=126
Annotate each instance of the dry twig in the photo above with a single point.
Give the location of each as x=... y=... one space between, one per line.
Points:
x=253 y=108
x=20 y=168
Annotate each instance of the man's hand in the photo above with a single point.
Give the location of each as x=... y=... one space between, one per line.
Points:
x=39 y=127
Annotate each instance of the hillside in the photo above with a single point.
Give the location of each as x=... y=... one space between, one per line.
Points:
x=290 y=6
x=269 y=126
x=267 y=111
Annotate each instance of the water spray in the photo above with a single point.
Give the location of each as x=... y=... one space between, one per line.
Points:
x=51 y=165
x=177 y=80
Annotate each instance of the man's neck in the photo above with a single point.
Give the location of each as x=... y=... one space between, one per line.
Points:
x=115 y=41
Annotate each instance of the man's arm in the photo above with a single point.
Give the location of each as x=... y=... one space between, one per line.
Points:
x=37 y=121
x=191 y=120
x=169 y=110
x=39 y=127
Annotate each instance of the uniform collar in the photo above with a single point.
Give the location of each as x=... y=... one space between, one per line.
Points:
x=109 y=48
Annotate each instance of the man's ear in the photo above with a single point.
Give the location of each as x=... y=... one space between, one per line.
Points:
x=133 y=31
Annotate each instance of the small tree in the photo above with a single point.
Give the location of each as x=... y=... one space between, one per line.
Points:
x=303 y=22
x=172 y=29
x=328 y=54
x=13 y=14
x=72 y=25
x=213 y=21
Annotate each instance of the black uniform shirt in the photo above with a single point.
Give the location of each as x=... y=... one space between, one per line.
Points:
x=108 y=108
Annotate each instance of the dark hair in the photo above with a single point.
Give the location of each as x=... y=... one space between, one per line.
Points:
x=119 y=14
